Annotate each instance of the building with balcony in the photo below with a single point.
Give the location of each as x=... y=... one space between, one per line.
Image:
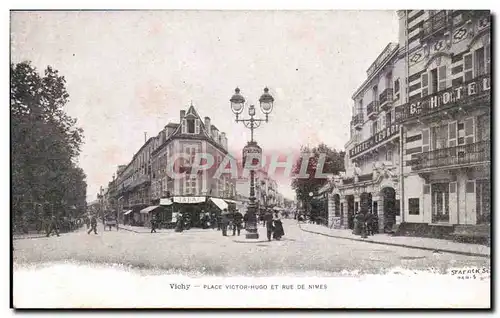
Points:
x=446 y=119
x=143 y=185
x=372 y=153
x=266 y=190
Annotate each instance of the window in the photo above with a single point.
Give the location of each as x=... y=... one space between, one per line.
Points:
x=191 y=185
x=388 y=80
x=425 y=84
x=360 y=106
x=414 y=206
x=396 y=86
x=375 y=93
x=440 y=137
x=468 y=68
x=374 y=128
x=191 y=151
x=190 y=126
x=388 y=155
x=397 y=208
x=388 y=119
x=479 y=62
x=434 y=80
x=483 y=128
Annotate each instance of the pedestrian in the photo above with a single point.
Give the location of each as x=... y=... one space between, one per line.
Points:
x=278 y=227
x=237 y=220
x=87 y=222
x=224 y=222
x=245 y=220
x=179 y=225
x=268 y=218
x=219 y=221
x=213 y=220
x=153 y=224
x=52 y=226
x=93 y=225
x=369 y=222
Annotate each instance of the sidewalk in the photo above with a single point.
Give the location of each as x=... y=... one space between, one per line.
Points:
x=143 y=229
x=423 y=243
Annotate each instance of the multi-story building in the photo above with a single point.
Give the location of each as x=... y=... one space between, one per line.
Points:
x=266 y=190
x=447 y=118
x=372 y=153
x=141 y=185
x=429 y=95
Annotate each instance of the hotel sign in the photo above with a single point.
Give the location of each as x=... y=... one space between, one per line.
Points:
x=374 y=140
x=458 y=93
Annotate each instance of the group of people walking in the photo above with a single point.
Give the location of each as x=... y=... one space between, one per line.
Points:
x=273 y=224
x=365 y=223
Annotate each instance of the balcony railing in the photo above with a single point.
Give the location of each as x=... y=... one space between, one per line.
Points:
x=435 y=23
x=372 y=109
x=463 y=154
x=386 y=98
x=357 y=120
x=470 y=93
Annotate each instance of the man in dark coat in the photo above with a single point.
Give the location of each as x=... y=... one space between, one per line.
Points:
x=224 y=222
x=268 y=217
x=52 y=226
x=93 y=225
x=237 y=220
x=154 y=224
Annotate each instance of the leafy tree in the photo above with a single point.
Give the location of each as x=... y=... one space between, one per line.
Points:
x=45 y=142
x=334 y=163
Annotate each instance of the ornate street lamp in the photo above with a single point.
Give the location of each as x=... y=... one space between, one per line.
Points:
x=266 y=106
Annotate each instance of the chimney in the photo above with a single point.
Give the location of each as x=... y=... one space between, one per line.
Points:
x=183 y=113
x=223 y=140
x=207 y=124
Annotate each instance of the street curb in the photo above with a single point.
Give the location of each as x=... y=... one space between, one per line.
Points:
x=129 y=230
x=402 y=245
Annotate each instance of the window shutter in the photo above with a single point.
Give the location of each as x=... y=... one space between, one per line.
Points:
x=184 y=126
x=442 y=78
x=425 y=140
x=487 y=57
x=468 y=67
x=425 y=84
x=197 y=126
x=453 y=187
x=452 y=134
x=469 y=130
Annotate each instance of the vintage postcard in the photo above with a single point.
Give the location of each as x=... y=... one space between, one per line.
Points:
x=251 y=158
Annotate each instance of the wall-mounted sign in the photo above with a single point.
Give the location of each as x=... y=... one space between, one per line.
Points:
x=374 y=140
x=450 y=96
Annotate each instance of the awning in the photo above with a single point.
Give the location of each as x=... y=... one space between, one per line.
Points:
x=149 y=209
x=127 y=212
x=220 y=203
x=231 y=201
x=166 y=202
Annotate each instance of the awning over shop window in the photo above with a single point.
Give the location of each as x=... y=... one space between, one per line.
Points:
x=149 y=209
x=221 y=204
x=231 y=201
x=166 y=202
x=127 y=212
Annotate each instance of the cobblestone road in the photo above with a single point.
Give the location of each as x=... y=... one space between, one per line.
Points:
x=209 y=252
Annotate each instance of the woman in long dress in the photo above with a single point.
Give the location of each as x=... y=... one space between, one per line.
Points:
x=278 y=227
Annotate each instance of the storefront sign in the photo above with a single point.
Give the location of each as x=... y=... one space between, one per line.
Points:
x=189 y=200
x=375 y=140
x=431 y=103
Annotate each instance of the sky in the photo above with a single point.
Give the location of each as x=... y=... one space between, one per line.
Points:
x=131 y=72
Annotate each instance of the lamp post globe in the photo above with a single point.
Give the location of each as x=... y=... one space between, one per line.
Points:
x=266 y=102
x=237 y=102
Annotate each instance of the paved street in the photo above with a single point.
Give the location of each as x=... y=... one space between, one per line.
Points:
x=207 y=251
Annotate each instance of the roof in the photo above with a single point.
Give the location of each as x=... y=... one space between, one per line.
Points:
x=175 y=125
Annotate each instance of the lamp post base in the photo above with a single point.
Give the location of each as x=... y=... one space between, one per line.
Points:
x=251 y=224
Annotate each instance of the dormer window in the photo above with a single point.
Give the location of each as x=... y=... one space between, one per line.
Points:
x=190 y=126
